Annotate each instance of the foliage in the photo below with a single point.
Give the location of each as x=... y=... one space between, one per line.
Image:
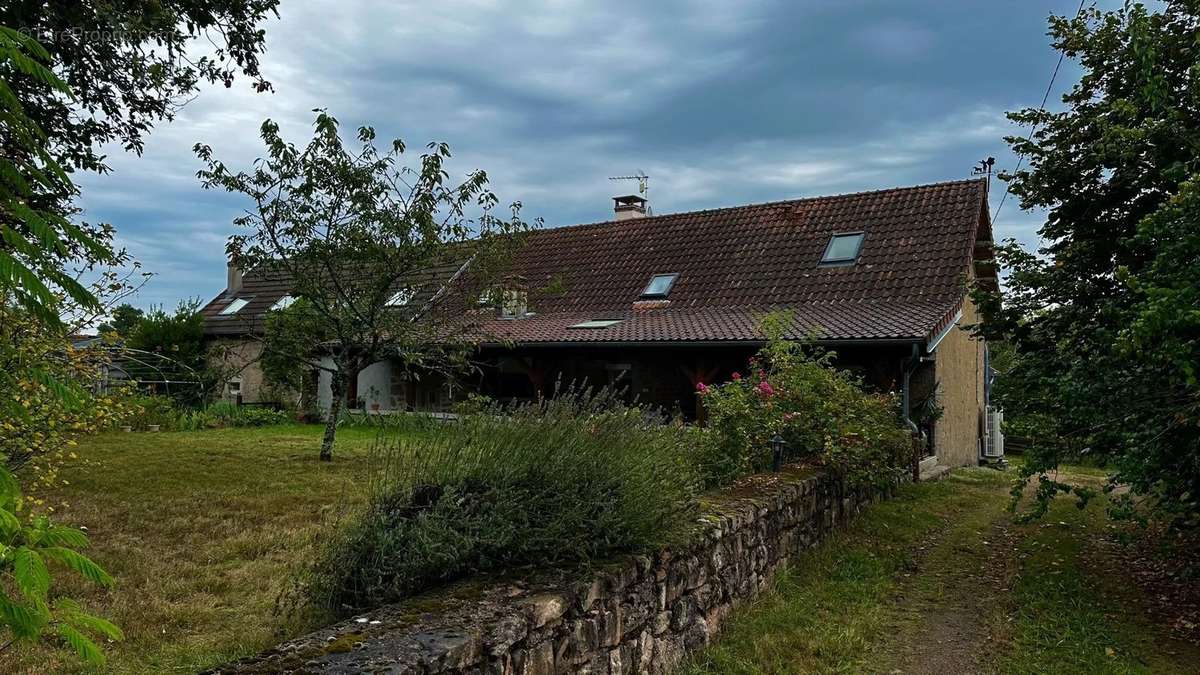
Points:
x=352 y=228
x=125 y=318
x=128 y=65
x=35 y=237
x=47 y=394
x=168 y=415
x=574 y=478
x=1103 y=318
x=179 y=337
x=290 y=331
x=822 y=414
x=26 y=548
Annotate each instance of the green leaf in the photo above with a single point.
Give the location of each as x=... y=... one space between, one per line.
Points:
x=9 y=523
x=24 y=622
x=8 y=484
x=31 y=575
x=80 y=563
x=84 y=647
x=72 y=613
x=69 y=537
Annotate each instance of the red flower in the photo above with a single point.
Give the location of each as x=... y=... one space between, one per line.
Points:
x=766 y=389
x=701 y=387
x=737 y=377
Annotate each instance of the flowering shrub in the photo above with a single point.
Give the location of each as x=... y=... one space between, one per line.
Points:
x=822 y=414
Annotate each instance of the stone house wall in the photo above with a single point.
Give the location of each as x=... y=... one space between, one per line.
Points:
x=239 y=358
x=640 y=614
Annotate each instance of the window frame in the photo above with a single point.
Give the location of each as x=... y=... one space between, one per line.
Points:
x=833 y=262
x=647 y=295
x=596 y=324
x=406 y=294
x=230 y=310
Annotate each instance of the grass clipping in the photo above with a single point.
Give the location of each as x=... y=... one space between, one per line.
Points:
x=571 y=479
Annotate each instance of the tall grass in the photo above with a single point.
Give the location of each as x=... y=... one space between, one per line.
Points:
x=571 y=479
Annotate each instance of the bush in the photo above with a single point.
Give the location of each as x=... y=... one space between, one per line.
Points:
x=570 y=479
x=822 y=414
x=166 y=413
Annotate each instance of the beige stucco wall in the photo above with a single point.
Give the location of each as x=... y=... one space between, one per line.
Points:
x=238 y=357
x=958 y=367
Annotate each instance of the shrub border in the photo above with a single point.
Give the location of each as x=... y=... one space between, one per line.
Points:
x=637 y=614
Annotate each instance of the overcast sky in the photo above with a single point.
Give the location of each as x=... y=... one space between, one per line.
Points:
x=721 y=102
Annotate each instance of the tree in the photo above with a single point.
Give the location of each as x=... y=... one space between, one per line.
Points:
x=125 y=317
x=1103 y=317
x=128 y=65
x=76 y=76
x=361 y=238
x=106 y=73
x=36 y=239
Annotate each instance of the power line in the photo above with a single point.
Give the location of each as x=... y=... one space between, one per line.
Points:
x=1041 y=108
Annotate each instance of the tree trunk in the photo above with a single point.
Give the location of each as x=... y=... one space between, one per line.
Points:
x=337 y=391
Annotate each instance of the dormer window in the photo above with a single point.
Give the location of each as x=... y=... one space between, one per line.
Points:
x=234 y=307
x=843 y=249
x=400 y=298
x=659 y=286
x=514 y=304
x=282 y=303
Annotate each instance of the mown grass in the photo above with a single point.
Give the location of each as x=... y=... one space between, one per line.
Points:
x=201 y=531
x=1071 y=614
x=1034 y=600
x=829 y=607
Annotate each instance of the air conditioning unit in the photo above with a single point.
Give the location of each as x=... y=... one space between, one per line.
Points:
x=993 y=443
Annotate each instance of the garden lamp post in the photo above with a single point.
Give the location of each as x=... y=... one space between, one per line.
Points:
x=777 y=444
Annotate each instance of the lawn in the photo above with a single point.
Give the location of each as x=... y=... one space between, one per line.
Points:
x=201 y=531
x=941 y=579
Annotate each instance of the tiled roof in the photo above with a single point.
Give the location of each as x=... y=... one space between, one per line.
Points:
x=735 y=264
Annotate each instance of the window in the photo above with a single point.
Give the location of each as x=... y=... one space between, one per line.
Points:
x=843 y=248
x=283 y=303
x=400 y=298
x=235 y=306
x=514 y=304
x=659 y=286
x=597 y=323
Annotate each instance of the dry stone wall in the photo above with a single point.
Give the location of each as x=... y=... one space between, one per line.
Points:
x=641 y=614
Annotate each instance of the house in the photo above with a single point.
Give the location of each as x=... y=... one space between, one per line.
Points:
x=659 y=303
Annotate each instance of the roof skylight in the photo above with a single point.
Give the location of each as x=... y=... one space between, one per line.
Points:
x=283 y=303
x=843 y=248
x=235 y=306
x=401 y=297
x=597 y=323
x=659 y=286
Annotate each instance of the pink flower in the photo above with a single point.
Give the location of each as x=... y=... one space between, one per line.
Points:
x=762 y=374
x=765 y=388
x=737 y=377
x=701 y=387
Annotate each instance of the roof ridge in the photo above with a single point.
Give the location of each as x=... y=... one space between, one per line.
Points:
x=777 y=202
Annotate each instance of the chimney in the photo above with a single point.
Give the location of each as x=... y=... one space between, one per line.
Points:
x=233 y=277
x=629 y=206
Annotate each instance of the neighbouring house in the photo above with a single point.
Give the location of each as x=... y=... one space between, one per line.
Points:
x=657 y=304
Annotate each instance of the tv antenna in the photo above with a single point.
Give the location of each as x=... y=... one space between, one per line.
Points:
x=642 y=179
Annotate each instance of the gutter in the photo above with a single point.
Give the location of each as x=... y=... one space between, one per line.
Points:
x=692 y=343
